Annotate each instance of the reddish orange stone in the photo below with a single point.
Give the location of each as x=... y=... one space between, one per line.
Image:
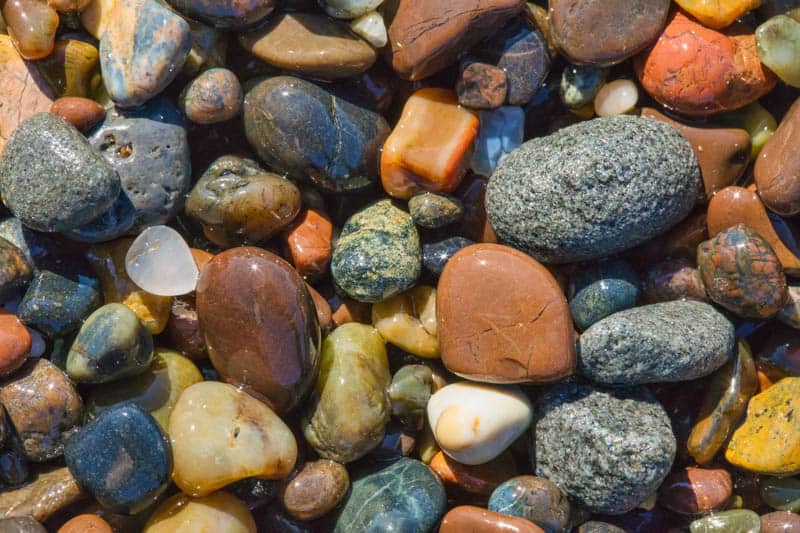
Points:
x=309 y=242
x=86 y=523
x=431 y=146
x=352 y=311
x=471 y=519
x=15 y=343
x=474 y=479
x=82 y=113
x=323 y=309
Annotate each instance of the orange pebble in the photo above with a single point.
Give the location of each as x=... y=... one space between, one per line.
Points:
x=352 y=311
x=201 y=257
x=86 y=523
x=82 y=113
x=431 y=146
x=309 y=243
x=15 y=343
x=478 y=479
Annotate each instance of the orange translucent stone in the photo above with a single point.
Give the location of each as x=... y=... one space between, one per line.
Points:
x=431 y=146
x=32 y=25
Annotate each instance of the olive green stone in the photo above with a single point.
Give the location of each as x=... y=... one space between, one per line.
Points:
x=782 y=494
x=349 y=407
x=738 y=521
x=778 y=45
x=410 y=391
x=431 y=210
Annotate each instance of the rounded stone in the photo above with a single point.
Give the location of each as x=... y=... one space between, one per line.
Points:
x=477 y=481
x=618 y=97
x=782 y=494
x=250 y=289
x=717 y=14
x=213 y=96
x=160 y=262
x=600 y=290
x=82 y=113
x=15 y=345
x=435 y=255
x=219 y=511
x=44 y=146
x=684 y=340
x=777 y=41
x=692 y=491
x=481 y=86
x=777 y=167
x=15 y=271
x=226 y=14
x=479 y=520
x=673 y=279
x=86 y=523
x=580 y=84
x=780 y=522
x=637 y=454
x=743 y=520
x=487 y=333
x=432 y=211
x=349 y=9
x=543 y=198
x=533 y=498
x=316 y=489
x=309 y=241
x=55 y=305
x=408 y=321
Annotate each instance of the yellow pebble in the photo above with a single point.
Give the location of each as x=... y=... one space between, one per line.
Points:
x=408 y=321
x=96 y=16
x=716 y=14
x=214 y=513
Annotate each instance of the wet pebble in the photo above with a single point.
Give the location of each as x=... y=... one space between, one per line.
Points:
x=673 y=279
x=214 y=96
x=535 y=499
x=219 y=511
x=435 y=255
x=316 y=489
x=430 y=210
x=600 y=290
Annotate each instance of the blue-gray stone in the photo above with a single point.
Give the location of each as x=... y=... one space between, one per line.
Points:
x=608 y=450
x=580 y=83
x=502 y=131
x=225 y=14
x=435 y=255
x=51 y=179
x=405 y=496
x=122 y=458
x=533 y=498
x=302 y=130
x=55 y=305
x=114 y=223
x=602 y=289
x=149 y=149
x=593 y=189
x=670 y=341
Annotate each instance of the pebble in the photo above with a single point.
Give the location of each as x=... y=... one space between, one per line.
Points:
x=742 y=273
x=600 y=290
x=378 y=253
x=148 y=147
x=698 y=71
x=489 y=334
x=431 y=145
x=86 y=523
x=502 y=131
x=213 y=96
x=32 y=26
x=776 y=41
x=15 y=346
x=617 y=97
x=294 y=126
x=43 y=407
x=220 y=434
x=408 y=321
x=790 y=314
x=112 y=344
x=435 y=255
x=349 y=9
x=115 y=222
x=348 y=410
x=87 y=186
x=371 y=27
x=51 y=491
x=613 y=478
x=73 y=69
x=419 y=49
x=142 y=50
x=605 y=33
x=309 y=240
x=479 y=520
x=278 y=360
x=82 y=113
x=756 y=120
x=473 y=480
x=22 y=524
x=594 y=526
x=310 y=44
x=717 y=15
x=775 y=169
x=768 y=441
x=779 y=522
x=473 y=423
x=481 y=86
x=383 y=502
x=640 y=160
x=409 y=393
x=685 y=340
x=15 y=271
x=237 y=202
x=219 y=511
x=673 y=279
x=160 y=262
x=735 y=521
x=122 y=458
x=533 y=498
x=316 y=489
x=225 y=14
x=693 y=491
x=580 y=84
x=432 y=211
x=782 y=494
x=55 y=305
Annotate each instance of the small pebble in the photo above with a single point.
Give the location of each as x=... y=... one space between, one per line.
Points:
x=738 y=521
x=82 y=113
x=600 y=290
x=371 y=28
x=617 y=97
x=779 y=522
x=86 y=523
x=481 y=86
x=432 y=211
x=500 y=134
x=693 y=491
x=219 y=511
x=214 y=96
x=408 y=321
x=15 y=344
x=673 y=279
x=535 y=499
x=435 y=255
x=160 y=262
x=316 y=489
x=580 y=84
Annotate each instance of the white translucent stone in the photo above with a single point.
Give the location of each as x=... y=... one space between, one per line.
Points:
x=371 y=28
x=160 y=262
x=616 y=98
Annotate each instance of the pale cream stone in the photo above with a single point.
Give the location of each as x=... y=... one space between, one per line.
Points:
x=616 y=98
x=371 y=28
x=215 y=513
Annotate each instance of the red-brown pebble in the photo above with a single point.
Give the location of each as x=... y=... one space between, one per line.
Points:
x=15 y=343
x=86 y=523
x=308 y=241
x=780 y=522
x=323 y=309
x=352 y=311
x=481 y=86
x=692 y=491
x=474 y=479
x=777 y=170
x=82 y=113
x=471 y=519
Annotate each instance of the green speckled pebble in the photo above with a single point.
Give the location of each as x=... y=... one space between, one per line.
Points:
x=378 y=254
x=430 y=210
x=55 y=305
x=737 y=521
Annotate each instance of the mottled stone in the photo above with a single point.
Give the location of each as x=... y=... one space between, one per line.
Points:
x=15 y=271
x=86 y=523
x=378 y=253
x=122 y=458
x=780 y=522
x=481 y=86
x=613 y=478
x=302 y=130
x=213 y=96
x=684 y=340
x=600 y=290
x=219 y=511
x=742 y=273
x=535 y=499
x=543 y=198
x=673 y=279
x=148 y=147
x=49 y=492
x=409 y=393
x=383 y=501
x=43 y=407
x=349 y=408
x=82 y=113
x=32 y=26
x=56 y=305
x=478 y=520
x=15 y=345
x=692 y=491
x=435 y=255
x=43 y=146
x=739 y=520
x=226 y=14
x=717 y=14
x=580 y=83
x=777 y=167
x=316 y=489
x=431 y=210
x=142 y=50
x=310 y=44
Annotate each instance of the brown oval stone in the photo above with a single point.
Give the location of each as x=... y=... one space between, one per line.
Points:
x=722 y=153
x=86 y=523
x=15 y=343
x=316 y=489
x=309 y=243
x=490 y=333
x=480 y=479
x=780 y=522
x=673 y=279
x=777 y=170
x=82 y=113
x=260 y=325
x=481 y=86
x=468 y=518
x=603 y=32
x=692 y=491
x=737 y=205
x=350 y=310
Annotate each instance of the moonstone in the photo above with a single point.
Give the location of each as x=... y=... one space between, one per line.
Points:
x=160 y=262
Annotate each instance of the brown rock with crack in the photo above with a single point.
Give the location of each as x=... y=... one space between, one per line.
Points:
x=42 y=497
x=777 y=169
x=502 y=318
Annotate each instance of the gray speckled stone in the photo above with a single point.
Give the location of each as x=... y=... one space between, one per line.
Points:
x=593 y=189
x=431 y=210
x=149 y=148
x=50 y=177
x=670 y=341
x=607 y=449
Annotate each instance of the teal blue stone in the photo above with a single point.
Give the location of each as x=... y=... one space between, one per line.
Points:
x=112 y=344
x=502 y=131
x=122 y=458
x=55 y=305
x=378 y=254
x=535 y=499
x=601 y=289
x=405 y=497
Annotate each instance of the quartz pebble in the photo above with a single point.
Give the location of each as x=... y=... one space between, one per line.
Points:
x=160 y=262
x=371 y=28
x=32 y=25
x=408 y=321
x=618 y=97
x=219 y=511
x=500 y=134
x=777 y=41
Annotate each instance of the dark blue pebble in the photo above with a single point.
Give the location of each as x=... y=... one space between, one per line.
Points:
x=436 y=254
x=601 y=289
x=55 y=305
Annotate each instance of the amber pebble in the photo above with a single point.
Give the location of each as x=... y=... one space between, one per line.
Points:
x=742 y=273
x=692 y=491
x=726 y=399
x=82 y=113
x=480 y=479
x=86 y=523
x=673 y=279
x=351 y=311
x=15 y=343
x=737 y=205
x=430 y=148
x=73 y=69
x=780 y=522
x=309 y=241
x=468 y=518
x=408 y=321
x=68 y=6
x=316 y=489
x=32 y=24
x=49 y=492
x=777 y=170
x=716 y=14
x=216 y=513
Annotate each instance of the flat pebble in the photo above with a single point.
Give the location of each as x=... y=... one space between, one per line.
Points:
x=160 y=262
